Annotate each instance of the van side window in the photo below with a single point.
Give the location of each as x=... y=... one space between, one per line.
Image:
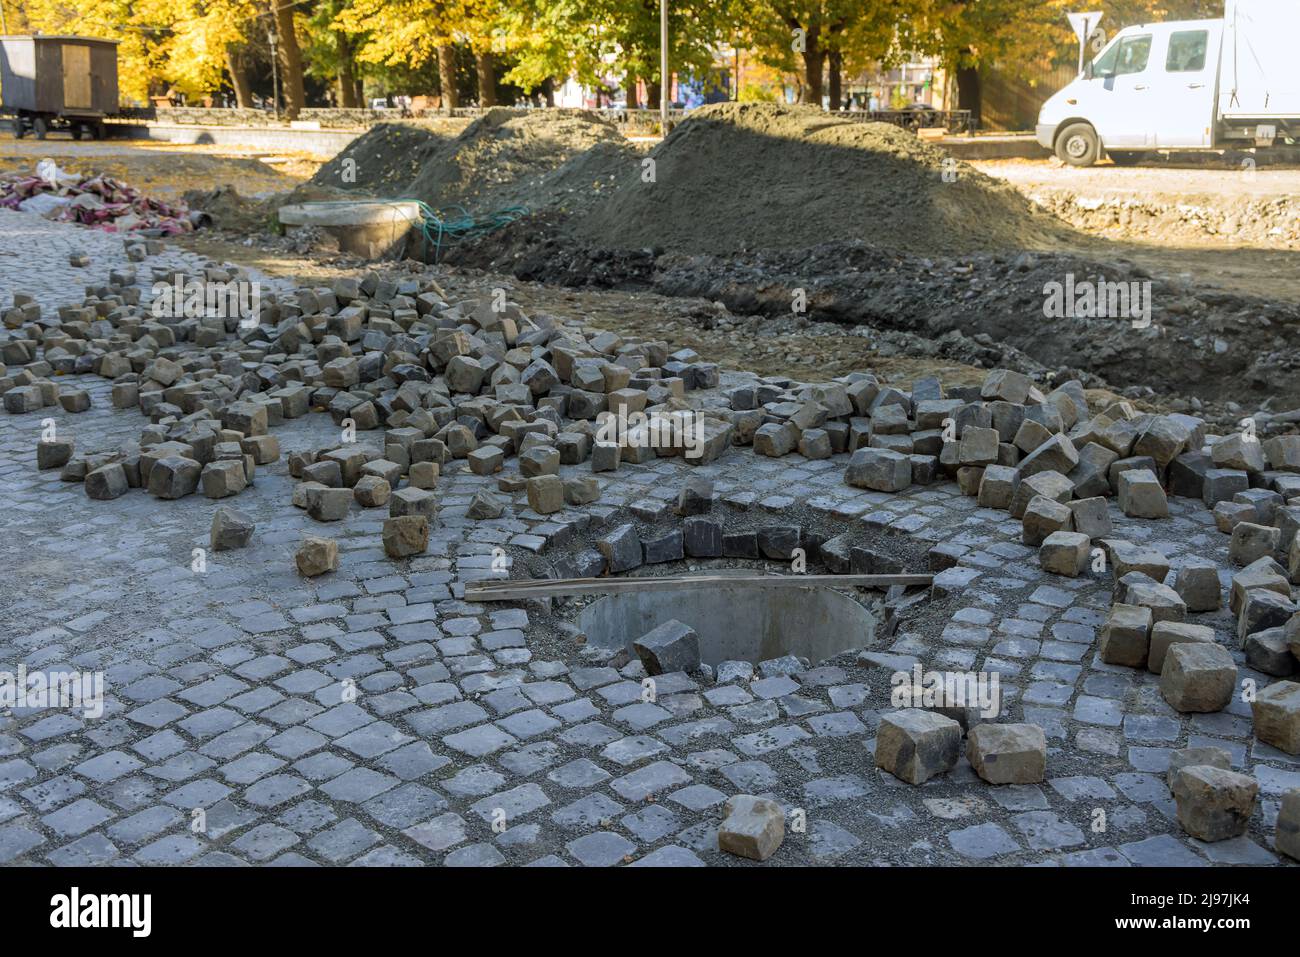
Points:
x=1129 y=55
x=1133 y=54
x=1187 y=51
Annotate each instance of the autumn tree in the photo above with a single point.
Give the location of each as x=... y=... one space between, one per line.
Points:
x=821 y=40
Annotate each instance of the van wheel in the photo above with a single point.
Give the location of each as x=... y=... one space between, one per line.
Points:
x=1125 y=157
x=1078 y=145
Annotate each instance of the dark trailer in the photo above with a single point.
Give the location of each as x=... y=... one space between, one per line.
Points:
x=58 y=82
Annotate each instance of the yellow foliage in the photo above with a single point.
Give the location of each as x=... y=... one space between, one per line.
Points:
x=164 y=43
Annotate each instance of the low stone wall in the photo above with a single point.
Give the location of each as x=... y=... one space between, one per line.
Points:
x=327 y=118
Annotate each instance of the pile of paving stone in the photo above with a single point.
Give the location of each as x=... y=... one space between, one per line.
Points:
x=447 y=382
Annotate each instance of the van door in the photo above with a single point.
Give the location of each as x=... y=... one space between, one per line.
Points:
x=1122 y=82
x=1185 y=85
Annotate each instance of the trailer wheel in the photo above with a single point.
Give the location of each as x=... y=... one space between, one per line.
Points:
x=1078 y=145
x=19 y=130
x=97 y=131
x=76 y=129
x=1125 y=157
x=40 y=127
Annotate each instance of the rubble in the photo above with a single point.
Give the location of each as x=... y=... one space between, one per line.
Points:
x=97 y=200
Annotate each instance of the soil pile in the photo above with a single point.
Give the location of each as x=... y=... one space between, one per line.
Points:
x=755 y=176
x=581 y=182
x=383 y=160
x=505 y=158
x=228 y=209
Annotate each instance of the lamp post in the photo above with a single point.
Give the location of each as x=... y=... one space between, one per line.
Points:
x=275 y=70
x=663 y=66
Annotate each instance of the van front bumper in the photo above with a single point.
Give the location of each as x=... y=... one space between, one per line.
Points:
x=1045 y=133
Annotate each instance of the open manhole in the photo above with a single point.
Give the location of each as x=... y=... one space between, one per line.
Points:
x=737 y=623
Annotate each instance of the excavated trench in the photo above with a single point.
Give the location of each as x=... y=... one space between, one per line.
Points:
x=1201 y=341
x=741 y=622
x=738 y=623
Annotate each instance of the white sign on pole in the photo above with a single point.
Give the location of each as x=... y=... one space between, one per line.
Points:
x=1083 y=24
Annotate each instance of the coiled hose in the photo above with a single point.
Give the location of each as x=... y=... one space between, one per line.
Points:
x=451 y=225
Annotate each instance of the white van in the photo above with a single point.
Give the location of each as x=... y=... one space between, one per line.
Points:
x=1189 y=84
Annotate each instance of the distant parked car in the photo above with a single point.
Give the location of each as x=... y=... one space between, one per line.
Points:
x=380 y=103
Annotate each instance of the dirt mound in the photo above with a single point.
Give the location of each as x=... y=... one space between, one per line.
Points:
x=228 y=209
x=761 y=176
x=581 y=182
x=383 y=160
x=505 y=158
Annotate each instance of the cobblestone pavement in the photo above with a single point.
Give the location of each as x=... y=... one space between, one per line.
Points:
x=372 y=716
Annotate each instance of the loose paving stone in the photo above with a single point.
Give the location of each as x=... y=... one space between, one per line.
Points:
x=1214 y=804
x=915 y=745
x=1198 y=677
x=1008 y=753
x=1276 y=711
x=670 y=647
x=752 y=827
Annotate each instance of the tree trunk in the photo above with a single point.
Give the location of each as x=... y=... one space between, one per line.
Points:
x=487 y=78
x=814 y=58
x=548 y=91
x=632 y=101
x=836 y=60
x=652 y=89
x=239 y=79
x=347 y=76
x=290 y=60
x=968 y=92
x=447 y=77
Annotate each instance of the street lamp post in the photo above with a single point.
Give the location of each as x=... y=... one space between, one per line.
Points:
x=275 y=71
x=663 y=66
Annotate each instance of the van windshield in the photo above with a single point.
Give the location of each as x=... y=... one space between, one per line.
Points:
x=1129 y=55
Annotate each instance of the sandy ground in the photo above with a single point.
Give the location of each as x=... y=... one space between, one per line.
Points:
x=1232 y=227
x=165 y=170
x=1192 y=184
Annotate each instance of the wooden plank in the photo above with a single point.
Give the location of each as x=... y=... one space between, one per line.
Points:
x=508 y=590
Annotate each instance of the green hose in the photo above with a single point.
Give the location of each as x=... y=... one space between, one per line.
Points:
x=442 y=228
